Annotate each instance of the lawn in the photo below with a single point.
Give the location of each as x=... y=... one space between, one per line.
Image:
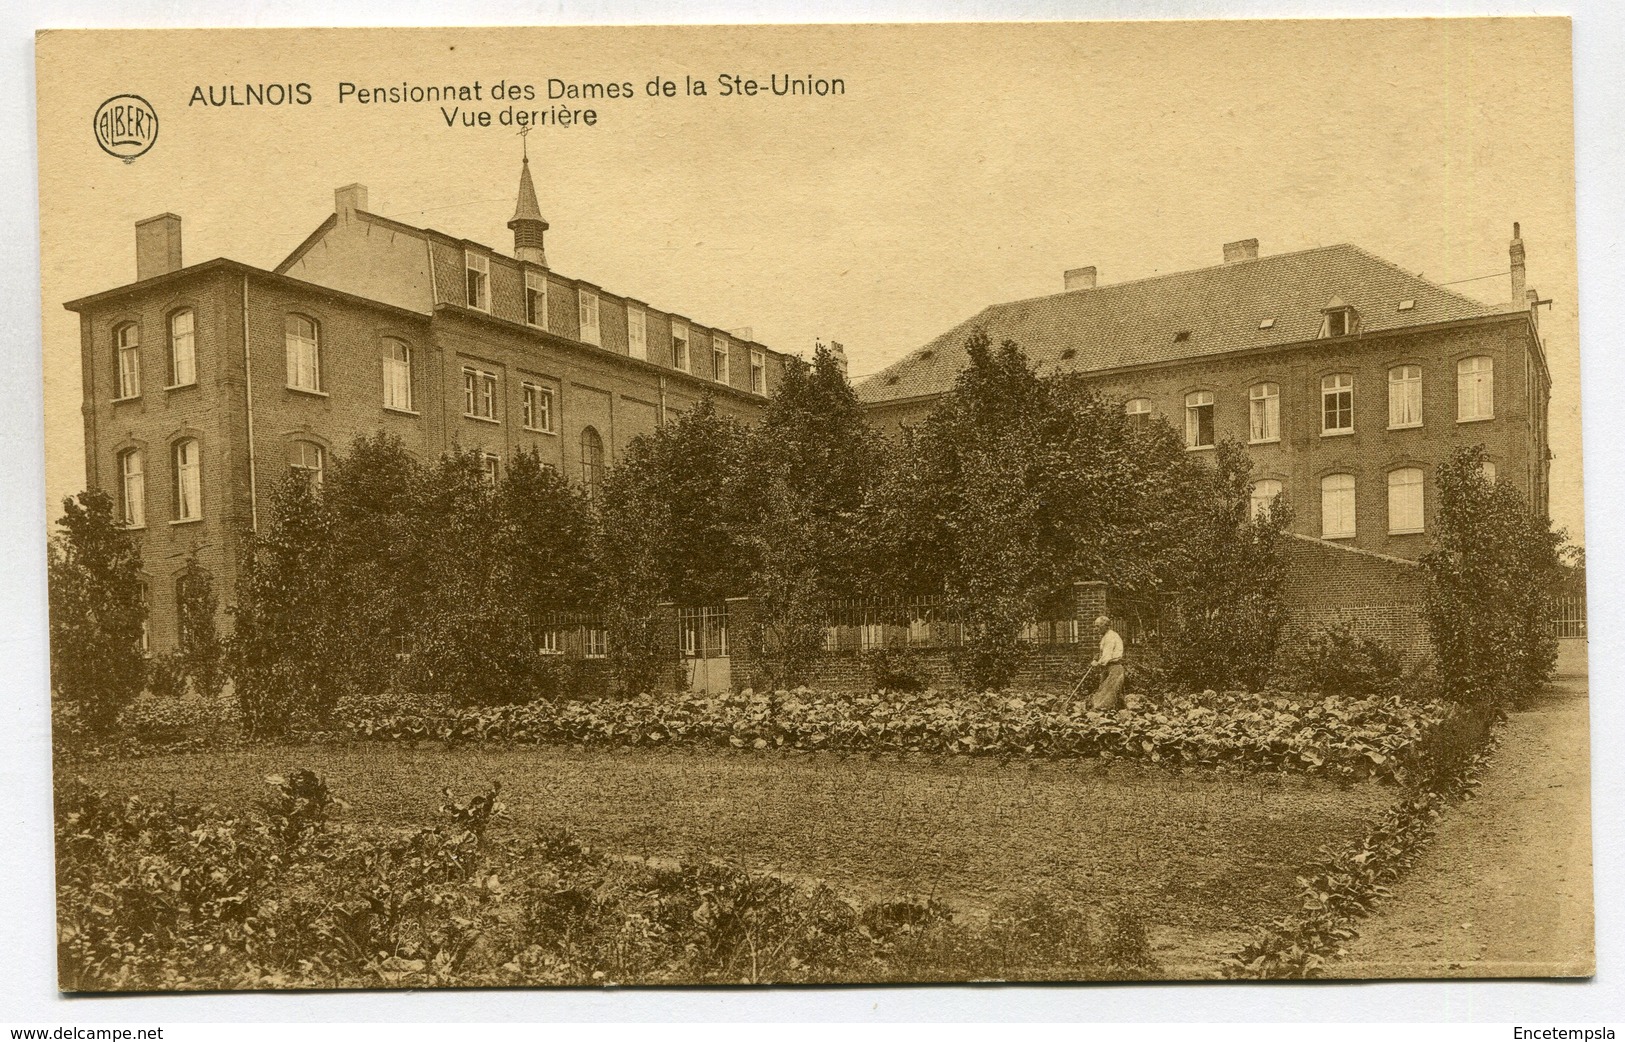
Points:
x=1200 y=855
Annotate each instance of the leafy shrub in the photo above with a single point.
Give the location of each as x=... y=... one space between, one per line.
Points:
x=177 y=722
x=298 y=806
x=896 y=669
x=1338 y=660
x=166 y=676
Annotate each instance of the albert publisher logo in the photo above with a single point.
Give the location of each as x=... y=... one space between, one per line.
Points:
x=126 y=126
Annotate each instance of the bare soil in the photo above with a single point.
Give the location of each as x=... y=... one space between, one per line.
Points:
x=1505 y=888
x=1200 y=856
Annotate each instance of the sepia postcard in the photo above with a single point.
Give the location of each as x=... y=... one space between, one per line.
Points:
x=814 y=504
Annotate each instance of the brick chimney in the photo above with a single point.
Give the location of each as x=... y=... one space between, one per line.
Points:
x=1515 y=252
x=157 y=246
x=1080 y=278
x=1244 y=250
x=349 y=199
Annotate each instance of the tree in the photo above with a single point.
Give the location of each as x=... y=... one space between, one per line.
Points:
x=97 y=611
x=1490 y=578
x=284 y=644
x=201 y=652
x=807 y=471
x=1226 y=604
x=670 y=528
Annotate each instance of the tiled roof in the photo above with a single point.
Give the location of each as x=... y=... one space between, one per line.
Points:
x=1218 y=310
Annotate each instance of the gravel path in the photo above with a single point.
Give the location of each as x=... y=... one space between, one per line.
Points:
x=1504 y=890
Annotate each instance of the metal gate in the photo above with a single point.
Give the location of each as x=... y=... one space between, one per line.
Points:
x=702 y=641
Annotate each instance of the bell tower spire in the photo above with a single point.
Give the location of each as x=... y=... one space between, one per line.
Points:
x=527 y=224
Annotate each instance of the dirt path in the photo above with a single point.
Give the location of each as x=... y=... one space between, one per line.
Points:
x=1505 y=888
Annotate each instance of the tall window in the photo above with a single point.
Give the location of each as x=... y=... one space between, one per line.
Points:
x=128 y=339
x=146 y=619
x=758 y=372
x=535 y=299
x=479 y=394
x=1337 y=403
x=132 y=489
x=477 y=267
x=594 y=642
x=182 y=349
x=592 y=461
x=719 y=358
x=1487 y=471
x=188 y=503
x=1337 y=506
x=589 y=318
x=1265 y=494
x=1138 y=411
x=1264 y=412
x=1199 y=420
x=537 y=405
x=309 y=461
x=637 y=333
x=397 y=375
x=1404 y=500
x=304 y=353
x=679 y=346
x=1404 y=396
x=1475 y=389
x=489 y=469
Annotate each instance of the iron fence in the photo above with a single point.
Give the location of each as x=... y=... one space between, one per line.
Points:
x=1569 y=616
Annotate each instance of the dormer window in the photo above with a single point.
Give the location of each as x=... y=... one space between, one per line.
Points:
x=589 y=318
x=478 y=268
x=1338 y=319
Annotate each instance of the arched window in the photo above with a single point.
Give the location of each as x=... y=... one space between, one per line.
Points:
x=132 y=488
x=127 y=341
x=1266 y=492
x=1337 y=403
x=1138 y=411
x=592 y=461
x=182 y=349
x=1404 y=501
x=304 y=353
x=1404 y=396
x=1264 y=412
x=1475 y=388
x=1199 y=420
x=397 y=375
x=188 y=466
x=309 y=461
x=1487 y=471
x=1337 y=506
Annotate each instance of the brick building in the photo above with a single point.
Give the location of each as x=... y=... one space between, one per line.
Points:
x=1348 y=379
x=204 y=385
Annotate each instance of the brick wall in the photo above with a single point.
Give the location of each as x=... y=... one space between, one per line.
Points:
x=1380 y=597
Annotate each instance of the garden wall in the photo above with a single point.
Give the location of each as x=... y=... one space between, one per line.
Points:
x=1379 y=596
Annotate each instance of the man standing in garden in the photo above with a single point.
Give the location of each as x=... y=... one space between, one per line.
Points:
x=1109 y=695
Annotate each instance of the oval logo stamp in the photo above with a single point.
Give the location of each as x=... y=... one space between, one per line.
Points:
x=126 y=126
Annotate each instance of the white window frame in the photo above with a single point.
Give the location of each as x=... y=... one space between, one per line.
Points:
x=188 y=475
x=1475 y=389
x=490 y=467
x=304 y=353
x=679 y=336
x=547 y=642
x=587 y=310
x=127 y=353
x=299 y=463
x=1345 y=317
x=1406 y=501
x=1264 y=404
x=1404 y=397
x=537 y=403
x=146 y=619
x=1338 y=520
x=479 y=394
x=1487 y=471
x=1195 y=402
x=637 y=333
x=592 y=471
x=182 y=349
x=758 y=372
x=398 y=390
x=132 y=488
x=594 y=642
x=535 y=299
x=1138 y=416
x=1266 y=492
x=1335 y=384
x=719 y=358
x=477 y=281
